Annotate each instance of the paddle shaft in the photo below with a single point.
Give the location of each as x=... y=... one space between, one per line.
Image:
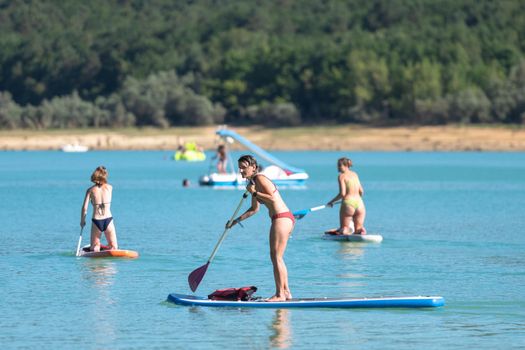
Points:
x=318 y=208
x=323 y=206
x=79 y=242
x=228 y=228
x=301 y=213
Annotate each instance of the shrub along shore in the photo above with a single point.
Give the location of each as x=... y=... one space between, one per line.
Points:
x=345 y=137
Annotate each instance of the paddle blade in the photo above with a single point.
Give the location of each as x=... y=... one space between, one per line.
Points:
x=195 y=278
x=300 y=214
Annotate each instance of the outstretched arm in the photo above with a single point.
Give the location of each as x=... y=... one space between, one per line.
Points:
x=83 y=211
x=342 y=191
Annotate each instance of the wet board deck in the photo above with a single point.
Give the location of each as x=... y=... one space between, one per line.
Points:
x=118 y=253
x=368 y=238
x=381 y=302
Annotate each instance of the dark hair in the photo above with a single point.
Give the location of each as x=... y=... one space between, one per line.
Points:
x=250 y=160
x=345 y=161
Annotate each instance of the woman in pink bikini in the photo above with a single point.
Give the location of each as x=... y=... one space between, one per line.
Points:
x=100 y=197
x=353 y=209
x=263 y=191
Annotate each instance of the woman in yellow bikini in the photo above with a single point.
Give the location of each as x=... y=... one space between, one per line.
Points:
x=352 y=206
x=264 y=192
x=100 y=197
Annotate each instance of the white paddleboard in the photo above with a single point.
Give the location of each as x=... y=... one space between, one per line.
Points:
x=368 y=238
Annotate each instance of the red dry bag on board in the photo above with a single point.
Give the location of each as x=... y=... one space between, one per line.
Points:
x=243 y=293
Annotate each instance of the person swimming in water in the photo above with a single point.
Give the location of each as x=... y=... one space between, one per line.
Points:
x=264 y=192
x=351 y=192
x=102 y=221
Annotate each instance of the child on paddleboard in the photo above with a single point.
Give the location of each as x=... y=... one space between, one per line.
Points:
x=353 y=209
x=102 y=221
x=264 y=192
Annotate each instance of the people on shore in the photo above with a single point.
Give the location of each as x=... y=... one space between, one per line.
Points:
x=264 y=191
x=102 y=221
x=352 y=206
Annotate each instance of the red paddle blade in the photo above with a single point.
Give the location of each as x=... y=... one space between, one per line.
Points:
x=195 y=278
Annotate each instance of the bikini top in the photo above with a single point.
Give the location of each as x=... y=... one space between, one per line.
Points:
x=100 y=208
x=352 y=183
x=275 y=187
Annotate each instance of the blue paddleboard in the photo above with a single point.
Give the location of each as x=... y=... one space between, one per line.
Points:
x=381 y=302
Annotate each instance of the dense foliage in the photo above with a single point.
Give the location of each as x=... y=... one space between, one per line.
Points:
x=162 y=62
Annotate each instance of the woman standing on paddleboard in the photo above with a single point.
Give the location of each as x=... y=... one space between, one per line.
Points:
x=263 y=191
x=352 y=207
x=100 y=197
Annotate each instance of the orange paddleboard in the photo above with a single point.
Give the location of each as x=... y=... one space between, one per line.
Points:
x=117 y=253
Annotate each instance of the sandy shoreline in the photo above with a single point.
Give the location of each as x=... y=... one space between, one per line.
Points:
x=346 y=137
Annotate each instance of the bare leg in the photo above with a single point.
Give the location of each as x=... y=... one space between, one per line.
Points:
x=95 y=239
x=279 y=234
x=111 y=236
x=359 y=220
x=345 y=219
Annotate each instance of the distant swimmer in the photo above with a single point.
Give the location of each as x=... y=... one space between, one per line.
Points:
x=100 y=197
x=264 y=192
x=353 y=209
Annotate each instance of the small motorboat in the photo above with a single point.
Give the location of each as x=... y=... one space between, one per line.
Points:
x=279 y=172
x=74 y=147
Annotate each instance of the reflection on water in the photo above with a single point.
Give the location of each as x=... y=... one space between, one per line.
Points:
x=100 y=272
x=282 y=334
x=100 y=277
x=350 y=251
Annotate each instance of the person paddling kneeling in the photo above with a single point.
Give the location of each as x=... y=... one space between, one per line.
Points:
x=264 y=192
x=100 y=197
x=352 y=207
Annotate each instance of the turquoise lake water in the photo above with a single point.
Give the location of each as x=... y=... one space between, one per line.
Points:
x=453 y=226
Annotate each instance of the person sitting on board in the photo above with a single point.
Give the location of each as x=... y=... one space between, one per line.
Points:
x=100 y=197
x=222 y=157
x=352 y=205
x=265 y=192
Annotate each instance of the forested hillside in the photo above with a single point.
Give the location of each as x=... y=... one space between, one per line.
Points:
x=120 y=63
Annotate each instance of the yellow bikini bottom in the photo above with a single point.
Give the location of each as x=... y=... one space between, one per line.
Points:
x=354 y=202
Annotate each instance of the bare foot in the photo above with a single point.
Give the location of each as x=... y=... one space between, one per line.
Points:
x=335 y=232
x=276 y=298
x=288 y=295
x=343 y=232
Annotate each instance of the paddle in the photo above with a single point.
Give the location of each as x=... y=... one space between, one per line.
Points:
x=79 y=242
x=195 y=278
x=302 y=213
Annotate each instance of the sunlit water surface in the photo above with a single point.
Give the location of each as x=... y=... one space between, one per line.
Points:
x=453 y=225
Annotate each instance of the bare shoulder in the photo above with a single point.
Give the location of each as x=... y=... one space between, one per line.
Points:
x=262 y=181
